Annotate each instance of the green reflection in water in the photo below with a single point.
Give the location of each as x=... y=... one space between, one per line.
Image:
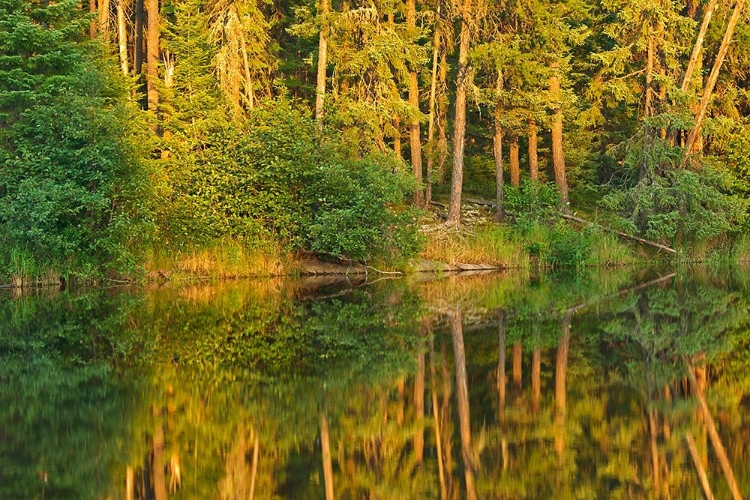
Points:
x=470 y=387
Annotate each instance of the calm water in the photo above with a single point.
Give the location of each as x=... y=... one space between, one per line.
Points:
x=470 y=387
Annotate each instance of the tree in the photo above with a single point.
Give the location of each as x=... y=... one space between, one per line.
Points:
x=459 y=122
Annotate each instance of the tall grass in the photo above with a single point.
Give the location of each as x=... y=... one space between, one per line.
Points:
x=225 y=259
x=490 y=244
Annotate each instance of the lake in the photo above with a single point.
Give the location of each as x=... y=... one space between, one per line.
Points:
x=615 y=384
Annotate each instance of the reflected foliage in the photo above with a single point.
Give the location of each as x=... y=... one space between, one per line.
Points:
x=266 y=390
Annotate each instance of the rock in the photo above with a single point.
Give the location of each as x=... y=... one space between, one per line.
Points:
x=317 y=267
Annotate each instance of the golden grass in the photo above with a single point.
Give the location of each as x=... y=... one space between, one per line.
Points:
x=227 y=259
x=490 y=244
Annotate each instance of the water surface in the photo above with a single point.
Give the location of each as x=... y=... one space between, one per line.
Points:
x=496 y=386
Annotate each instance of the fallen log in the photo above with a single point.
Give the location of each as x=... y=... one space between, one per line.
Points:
x=618 y=233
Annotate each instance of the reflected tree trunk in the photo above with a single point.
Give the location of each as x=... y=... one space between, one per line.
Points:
x=462 y=395
x=536 y=380
x=561 y=372
x=445 y=413
x=419 y=409
x=401 y=390
x=653 y=434
x=518 y=365
x=325 y=443
x=254 y=470
x=129 y=483
x=157 y=469
x=436 y=421
x=721 y=453
x=501 y=379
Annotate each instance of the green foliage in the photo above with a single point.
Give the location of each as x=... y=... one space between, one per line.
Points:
x=74 y=184
x=669 y=203
x=277 y=175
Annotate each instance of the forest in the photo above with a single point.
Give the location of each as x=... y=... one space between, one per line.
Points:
x=234 y=136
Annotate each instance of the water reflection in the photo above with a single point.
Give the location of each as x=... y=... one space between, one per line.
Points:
x=481 y=387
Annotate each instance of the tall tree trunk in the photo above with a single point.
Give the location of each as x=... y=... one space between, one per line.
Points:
x=320 y=90
x=433 y=98
x=459 y=124
x=249 y=93
x=462 y=395
x=104 y=6
x=558 y=157
x=152 y=55
x=442 y=118
x=92 y=23
x=497 y=151
x=533 y=151
x=712 y=78
x=415 y=140
x=122 y=37
x=325 y=443
x=695 y=55
x=397 y=136
x=648 y=109
x=515 y=164
x=140 y=15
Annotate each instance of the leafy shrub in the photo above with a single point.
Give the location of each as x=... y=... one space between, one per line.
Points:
x=72 y=186
x=277 y=175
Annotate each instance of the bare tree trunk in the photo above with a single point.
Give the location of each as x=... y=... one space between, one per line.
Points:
x=696 y=52
x=320 y=91
x=152 y=55
x=325 y=442
x=415 y=140
x=92 y=23
x=711 y=83
x=533 y=151
x=459 y=124
x=497 y=151
x=122 y=37
x=442 y=120
x=653 y=434
x=558 y=157
x=249 y=94
x=104 y=17
x=462 y=395
x=433 y=98
x=648 y=107
x=138 y=42
x=515 y=164
x=397 y=136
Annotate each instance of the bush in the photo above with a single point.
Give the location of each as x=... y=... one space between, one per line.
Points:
x=276 y=175
x=72 y=186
